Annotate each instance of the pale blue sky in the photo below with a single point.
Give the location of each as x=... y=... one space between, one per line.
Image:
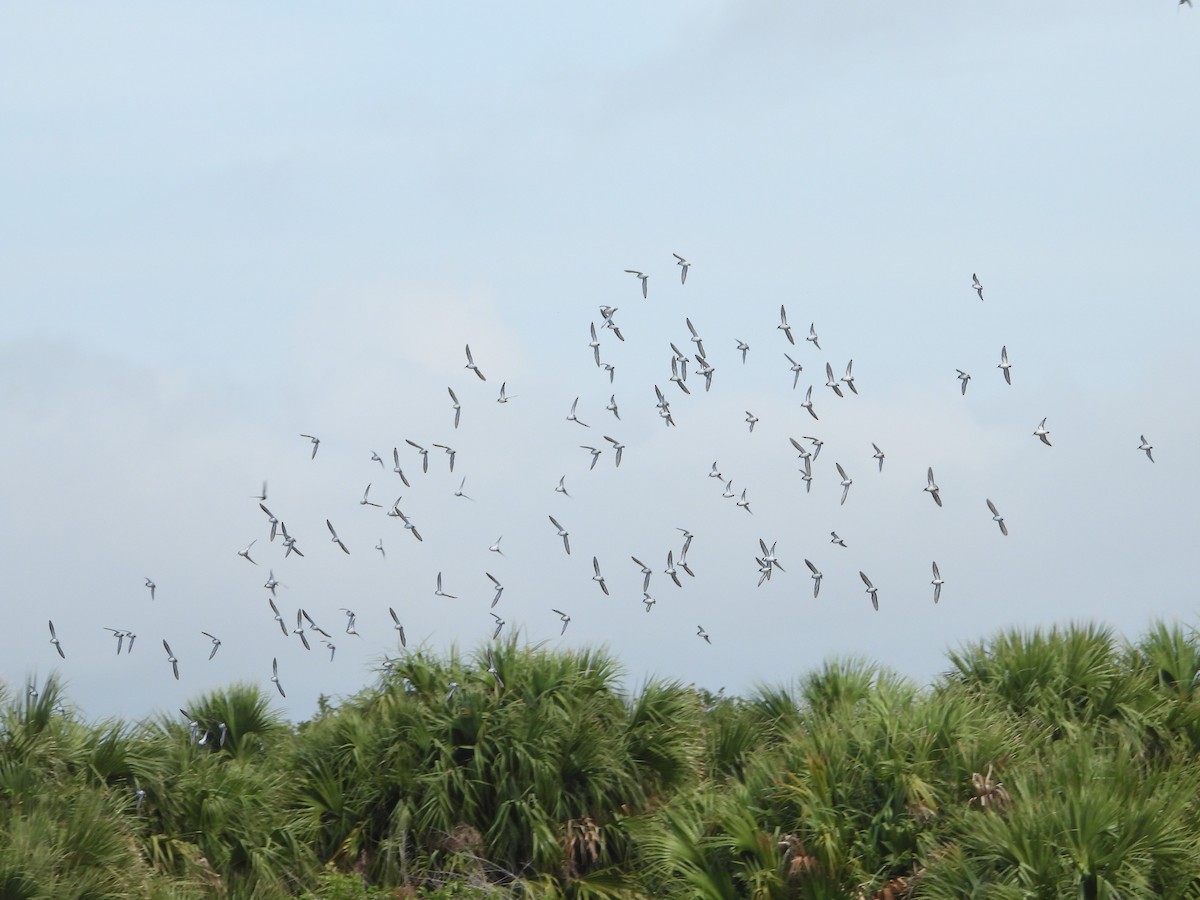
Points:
x=222 y=226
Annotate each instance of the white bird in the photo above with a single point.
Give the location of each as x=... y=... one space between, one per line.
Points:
x=299 y=629
x=562 y=533
x=424 y=453
x=246 y=552
x=932 y=488
x=807 y=404
x=617 y=446
x=595 y=454
x=1005 y=365
x=751 y=418
x=450 y=451
x=848 y=378
x=491 y=667
x=316 y=442
x=784 y=326
x=1145 y=445
x=216 y=643
x=684 y=265
x=834 y=539
x=729 y=492
x=54 y=640
x=439 y=592
x=271 y=583
x=871 y=589
x=289 y=542
x=262 y=497
x=817 y=445
x=278 y=617
x=832 y=382
x=646 y=573
x=562 y=487
x=274 y=522
x=878 y=454
x=495 y=548
x=573 y=418
x=696 y=339
x=499 y=588
x=336 y=539
x=595 y=345
x=676 y=377
x=964 y=378
x=500 y=623
x=459 y=492
x=648 y=600
x=471 y=365
x=409 y=525
x=612 y=406
x=744 y=347
x=643 y=277
x=375 y=457
x=671 y=570
x=397 y=627
x=687 y=540
x=453 y=690
x=1042 y=434
x=796 y=370
x=744 y=503
x=997 y=518
x=275 y=676
x=397 y=469
x=977 y=285
x=715 y=473
x=150 y=584
x=769 y=556
x=171 y=659
x=816 y=576
x=457 y=410
x=937 y=583
x=846 y=482
x=564 y=618
x=598 y=578
x=610 y=368
x=700 y=632
x=332 y=649
x=379 y=547
x=504 y=397
x=366 y=501
x=806 y=475
x=812 y=335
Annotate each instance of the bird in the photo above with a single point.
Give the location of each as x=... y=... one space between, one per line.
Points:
x=807 y=404
x=687 y=540
x=278 y=617
x=784 y=326
x=500 y=623
x=397 y=627
x=150 y=584
x=846 y=482
x=648 y=601
x=595 y=454
x=503 y=398
x=120 y=635
x=964 y=378
x=495 y=548
x=379 y=547
x=806 y=475
x=796 y=370
x=812 y=335
x=271 y=583
x=610 y=368
x=677 y=378
x=459 y=492
x=453 y=690
x=336 y=539
x=316 y=442
x=270 y=518
x=171 y=659
x=491 y=669
x=275 y=676
x=216 y=644
x=375 y=457
x=397 y=469
x=769 y=556
x=832 y=382
x=744 y=503
x=246 y=552
x=696 y=339
x=878 y=454
x=438 y=592
x=937 y=583
x=617 y=446
x=457 y=410
x=751 y=418
x=573 y=418
x=997 y=518
x=848 y=378
x=562 y=533
x=646 y=573
x=332 y=649
x=299 y=629
x=409 y=525
x=817 y=445
x=744 y=347
x=471 y=365
x=977 y=285
x=932 y=488
x=642 y=276
x=140 y=794
x=450 y=451
x=262 y=497
x=1004 y=365
x=365 y=501
x=834 y=539
x=499 y=588
x=1042 y=434
x=598 y=578
x=700 y=632
x=595 y=345
x=871 y=589
x=566 y=620
x=1145 y=445
x=816 y=576
x=289 y=542
x=612 y=406
x=671 y=570
x=715 y=472
x=684 y=265
x=729 y=492
x=54 y=640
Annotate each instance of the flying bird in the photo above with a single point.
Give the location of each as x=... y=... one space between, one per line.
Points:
x=397 y=469
x=246 y=552
x=1042 y=434
x=499 y=588
x=671 y=570
x=316 y=442
x=500 y=623
x=834 y=539
x=700 y=632
x=54 y=640
x=471 y=365
x=216 y=644
x=751 y=418
x=275 y=676
x=439 y=592
x=562 y=533
x=457 y=410
x=566 y=620
x=997 y=518
x=796 y=370
x=595 y=345
x=932 y=488
x=878 y=454
x=816 y=576
x=744 y=503
x=379 y=547
x=964 y=378
x=270 y=518
x=573 y=418
x=450 y=451
x=831 y=381
x=171 y=659
x=784 y=326
x=459 y=492
x=366 y=501
x=595 y=454
x=336 y=539
x=812 y=335
x=503 y=398
x=617 y=446
x=684 y=265
x=612 y=407
x=807 y=404
x=397 y=627
x=696 y=339
x=744 y=347
x=278 y=617
x=262 y=497
x=871 y=589
x=977 y=285
x=937 y=583
x=648 y=600
x=495 y=548
x=846 y=482
x=598 y=578
x=646 y=572
x=375 y=457
x=150 y=584
x=1145 y=445
x=1004 y=365
x=642 y=276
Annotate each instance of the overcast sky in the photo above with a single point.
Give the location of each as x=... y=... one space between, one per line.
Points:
x=222 y=227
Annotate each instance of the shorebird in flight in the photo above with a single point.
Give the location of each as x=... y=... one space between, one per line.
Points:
x=595 y=345
x=617 y=446
x=491 y=668
x=612 y=407
x=643 y=277
x=648 y=601
x=450 y=451
x=937 y=583
x=379 y=547
x=687 y=540
x=848 y=378
x=453 y=690
x=332 y=649
x=409 y=525
x=503 y=398
x=275 y=676
x=646 y=573
x=696 y=339
x=500 y=623
x=289 y=542
x=271 y=583
x=366 y=501
x=796 y=370
x=671 y=570
x=595 y=454
x=831 y=381
x=316 y=442
x=700 y=632
x=397 y=469
x=806 y=474
x=751 y=418
x=676 y=377
x=1042 y=434
x=574 y=418
x=270 y=518
x=598 y=578
x=457 y=410
x=1005 y=365
x=705 y=371
x=439 y=592
x=375 y=457
x=878 y=454
x=499 y=588
x=150 y=584
x=784 y=326
x=171 y=659
x=964 y=378
x=846 y=482
x=744 y=503
x=684 y=265
x=1146 y=446
x=561 y=488
x=566 y=620
x=424 y=453
x=611 y=370
x=812 y=335
x=744 y=347
x=216 y=643
x=816 y=576
x=495 y=548
x=299 y=629
x=471 y=365
x=715 y=472
x=817 y=445
x=834 y=539
x=729 y=492
x=397 y=627
x=246 y=552
x=977 y=285
x=54 y=640
x=336 y=539
x=262 y=498
x=932 y=488
x=278 y=617
x=997 y=518
x=562 y=533
x=871 y=589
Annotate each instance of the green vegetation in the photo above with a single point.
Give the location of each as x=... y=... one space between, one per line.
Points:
x=1041 y=765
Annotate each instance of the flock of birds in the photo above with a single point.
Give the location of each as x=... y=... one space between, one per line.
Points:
x=807 y=447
